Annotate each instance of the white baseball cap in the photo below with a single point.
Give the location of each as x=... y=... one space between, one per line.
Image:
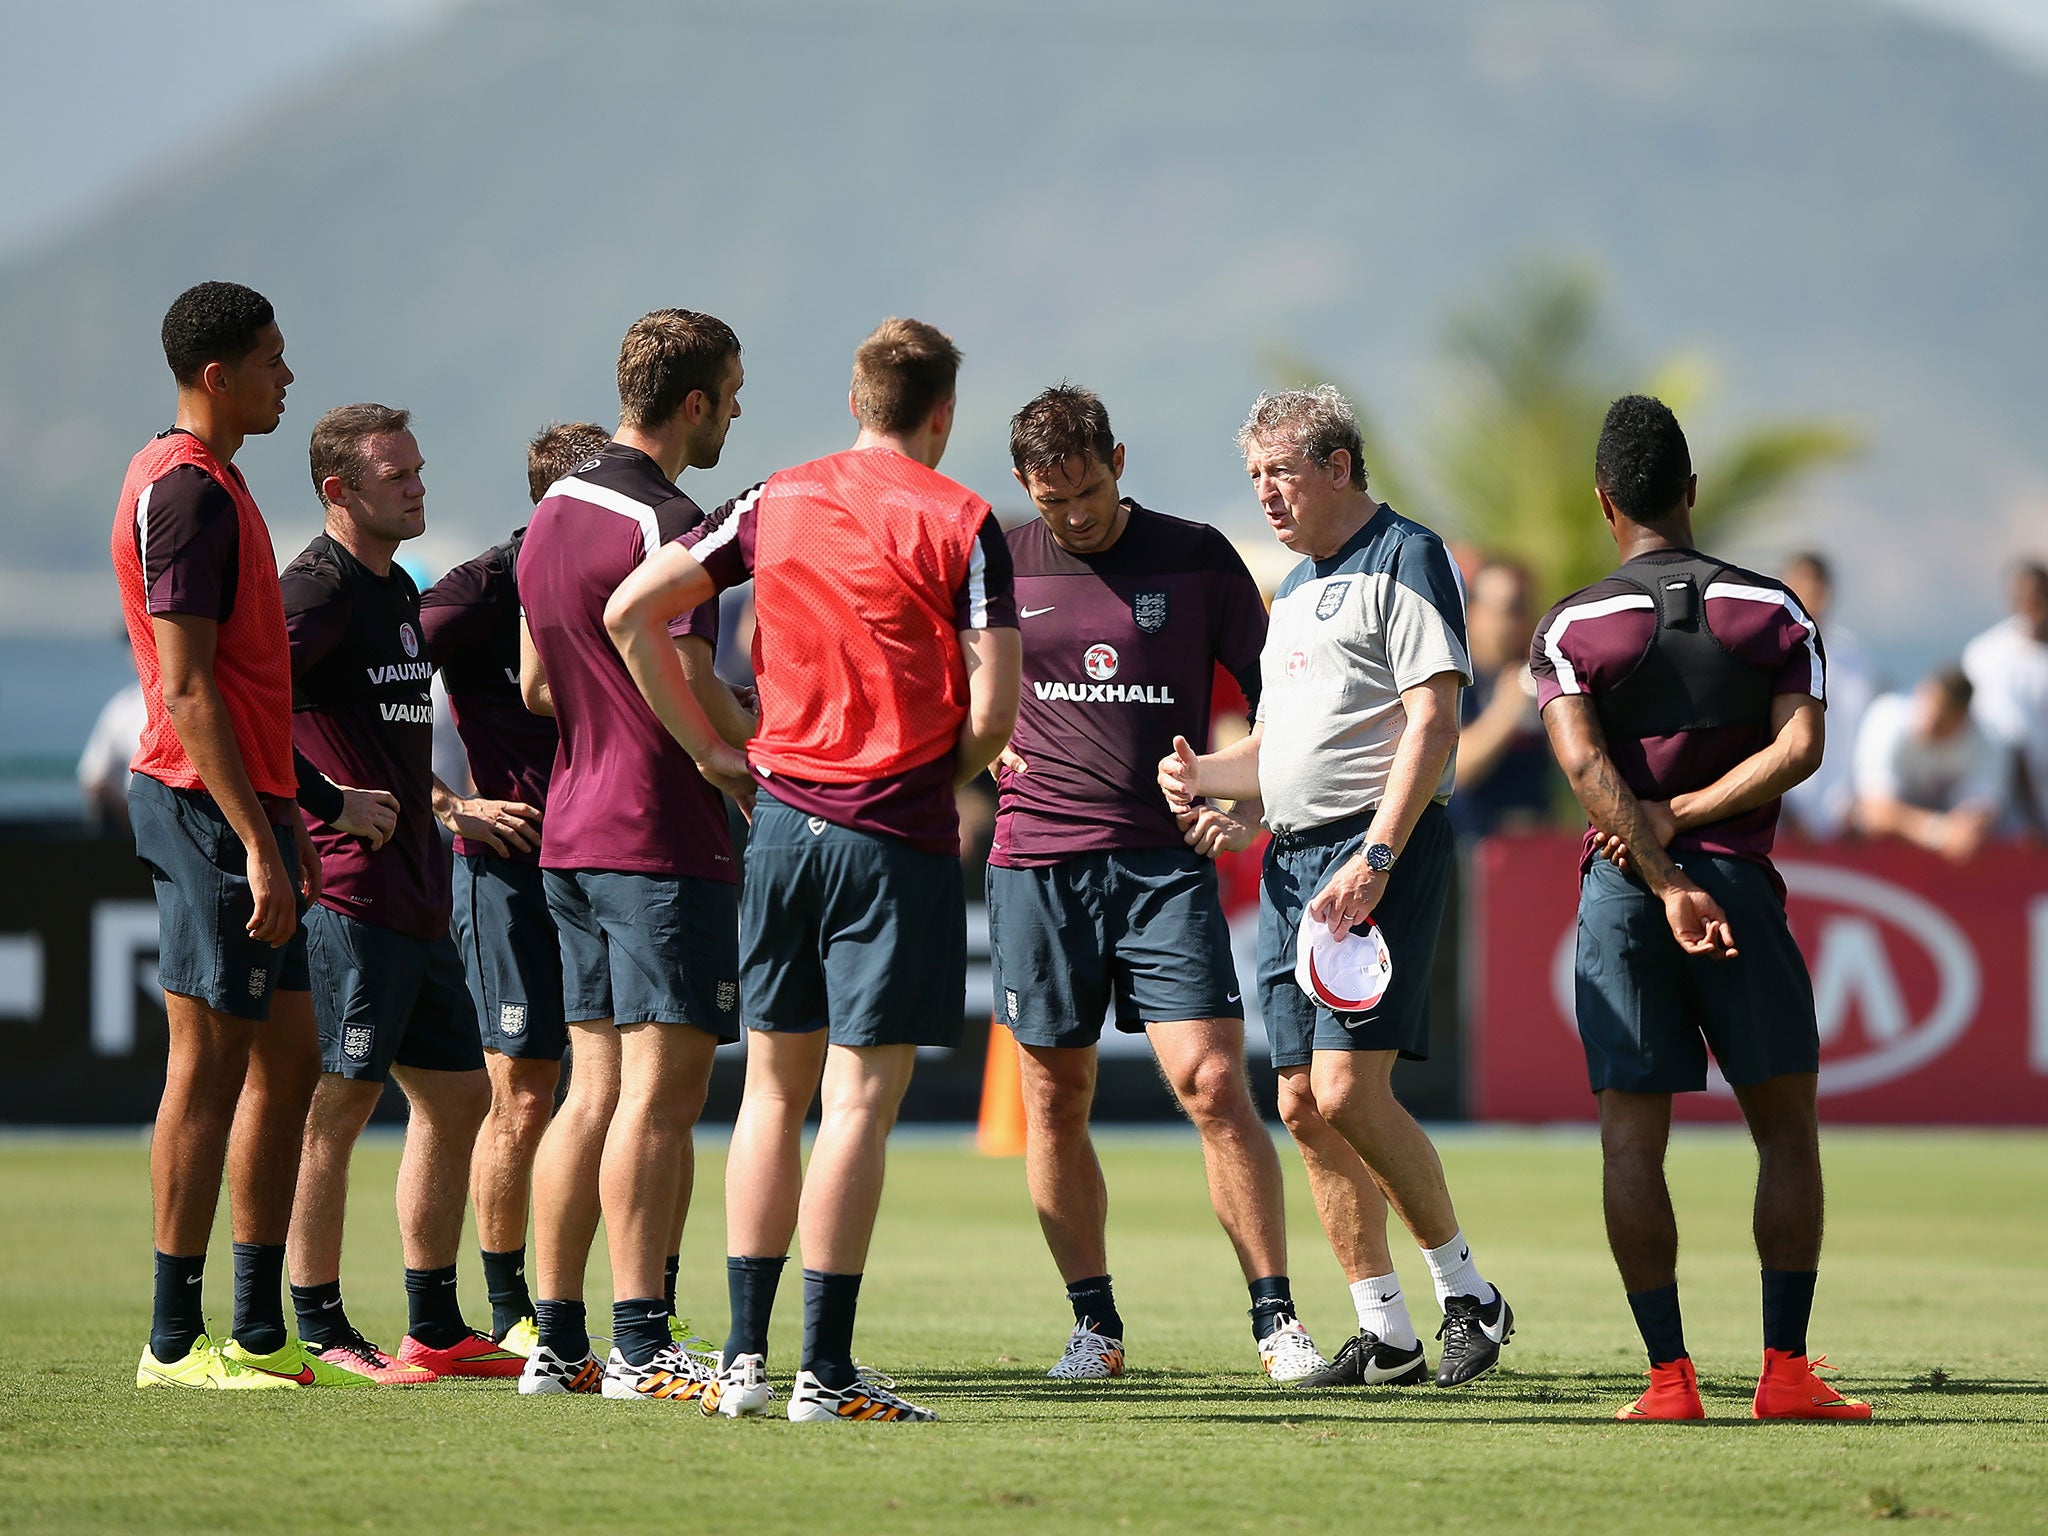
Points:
x=1347 y=975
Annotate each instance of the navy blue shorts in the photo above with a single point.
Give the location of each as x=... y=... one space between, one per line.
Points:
x=1649 y=1012
x=511 y=955
x=1141 y=929
x=385 y=998
x=1408 y=915
x=203 y=905
x=862 y=935
x=648 y=949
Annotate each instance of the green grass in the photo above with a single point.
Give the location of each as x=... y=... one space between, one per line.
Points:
x=1931 y=1301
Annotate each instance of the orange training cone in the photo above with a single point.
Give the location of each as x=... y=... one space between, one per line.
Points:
x=1001 y=1132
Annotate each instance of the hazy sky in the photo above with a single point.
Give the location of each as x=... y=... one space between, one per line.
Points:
x=69 y=150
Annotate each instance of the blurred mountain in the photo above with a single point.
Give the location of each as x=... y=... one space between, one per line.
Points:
x=1838 y=203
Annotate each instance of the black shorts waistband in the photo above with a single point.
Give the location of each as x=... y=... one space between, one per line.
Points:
x=1329 y=832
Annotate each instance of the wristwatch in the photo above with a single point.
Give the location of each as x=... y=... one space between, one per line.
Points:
x=1379 y=857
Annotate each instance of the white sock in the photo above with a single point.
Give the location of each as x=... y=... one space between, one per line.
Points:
x=1455 y=1274
x=1383 y=1310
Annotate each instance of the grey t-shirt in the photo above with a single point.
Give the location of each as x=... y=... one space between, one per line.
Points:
x=1348 y=634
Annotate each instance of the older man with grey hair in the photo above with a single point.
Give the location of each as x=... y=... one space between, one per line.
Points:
x=1352 y=754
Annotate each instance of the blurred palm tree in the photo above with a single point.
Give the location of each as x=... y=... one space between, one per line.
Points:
x=1507 y=457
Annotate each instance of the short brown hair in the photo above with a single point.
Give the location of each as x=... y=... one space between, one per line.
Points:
x=557 y=449
x=1059 y=424
x=666 y=355
x=902 y=373
x=338 y=438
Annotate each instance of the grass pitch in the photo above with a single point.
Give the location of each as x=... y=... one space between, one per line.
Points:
x=1930 y=1299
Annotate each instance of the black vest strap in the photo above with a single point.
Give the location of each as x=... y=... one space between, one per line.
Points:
x=1687 y=680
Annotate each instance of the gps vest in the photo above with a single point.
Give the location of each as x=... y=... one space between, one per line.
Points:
x=1686 y=680
x=252 y=662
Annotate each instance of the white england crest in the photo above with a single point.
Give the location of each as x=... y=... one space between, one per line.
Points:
x=1149 y=609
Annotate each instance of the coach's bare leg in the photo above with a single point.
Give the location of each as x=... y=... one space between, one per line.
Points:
x=862 y=1090
x=433 y=1170
x=1355 y=1092
x=341 y=1108
x=764 y=1176
x=501 y=1176
x=1790 y=1207
x=1349 y=1202
x=1203 y=1062
x=664 y=1070
x=1642 y=1229
x=202 y=1082
x=1061 y=1169
x=565 y=1169
x=270 y=1119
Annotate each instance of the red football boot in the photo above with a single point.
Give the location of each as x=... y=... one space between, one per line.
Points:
x=1789 y=1389
x=1674 y=1394
x=472 y=1355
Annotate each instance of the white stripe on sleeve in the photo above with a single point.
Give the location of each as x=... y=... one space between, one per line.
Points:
x=613 y=501
x=977 y=586
x=728 y=530
x=1817 y=686
x=1553 y=642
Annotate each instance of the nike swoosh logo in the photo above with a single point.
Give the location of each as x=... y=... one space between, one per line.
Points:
x=194 y=1279
x=1384 y=1300
x=1032 y=613
x=1233 y=997
x=303 y=1375
x=329 y=1306
x=1464 y=1254
x=1498 y=1331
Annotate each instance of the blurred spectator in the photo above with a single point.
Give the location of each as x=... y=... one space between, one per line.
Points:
x=1925 y=772
x=103 y=765
x=1820 y=807
x=2008 y=667
x=1504 y=765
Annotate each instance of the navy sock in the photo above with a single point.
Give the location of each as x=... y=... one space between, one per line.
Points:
x=1658 y=1321
x=505 y=1284
x=1272 y=1305
x=1788 y=1303
x=433 y=1314
x=178 y=1315
x=829 y=1304
x=564 y=1328
x=751 y=1283
x=640 y=1328
x=670 y=1268
x=259 y=1297
x=1094 y=1304
x=323 y=1321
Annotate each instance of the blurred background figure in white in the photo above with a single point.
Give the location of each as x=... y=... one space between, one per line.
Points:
x=1925 y=772
x=1820 y=807
x=103 y=765
x=2008 y=667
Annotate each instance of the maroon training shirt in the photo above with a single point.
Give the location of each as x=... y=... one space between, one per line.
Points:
x=362 y=714
x=1589 y=642
x=1120 y=652
x=623 y=796
x=471 y=617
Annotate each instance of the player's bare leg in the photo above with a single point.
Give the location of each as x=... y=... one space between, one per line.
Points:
x=433 y=1170
x=209 y=1061
x=565 y=1168
x=270 y=1119
x=1061 y=1169
x=341 y=1108
x=1642 y=1229
x=507 y=1143
x=1203 y=1062
x=764 y=1177
x=862 y=1089
x=664 y=1070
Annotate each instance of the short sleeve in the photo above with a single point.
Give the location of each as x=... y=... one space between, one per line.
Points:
x=189 y=535
x=724 y=542
x=987 y=598
x=1239 y=619
x=1761 y=622
x=1424 y=615
x=1590 y=640
x=316 y=613
x=456 y=612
